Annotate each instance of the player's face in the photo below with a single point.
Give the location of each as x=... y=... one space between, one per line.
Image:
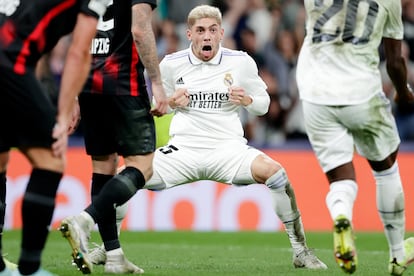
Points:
x=205 y=36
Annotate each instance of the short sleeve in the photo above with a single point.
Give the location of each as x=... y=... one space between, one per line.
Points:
x=394 y=26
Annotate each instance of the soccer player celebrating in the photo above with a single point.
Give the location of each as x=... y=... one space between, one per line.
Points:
x=344 y=106
x=207 y=85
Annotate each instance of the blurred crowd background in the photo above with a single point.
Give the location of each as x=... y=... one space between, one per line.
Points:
x=272 y=32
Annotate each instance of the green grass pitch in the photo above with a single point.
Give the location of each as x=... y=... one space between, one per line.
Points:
x=215 y=253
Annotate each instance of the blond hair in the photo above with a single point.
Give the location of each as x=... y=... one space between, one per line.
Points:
x=203 y=11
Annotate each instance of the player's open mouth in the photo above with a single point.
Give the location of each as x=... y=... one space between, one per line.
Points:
x=206 y=49
x=207 y=52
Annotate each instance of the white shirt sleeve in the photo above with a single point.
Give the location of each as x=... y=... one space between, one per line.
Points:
x=255 y=87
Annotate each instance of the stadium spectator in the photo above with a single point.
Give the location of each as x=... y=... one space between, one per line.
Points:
x=207 y=84
x=266 y=130
x=346 y=109
x=29 y=120
x=167 y=38
x=259 y=20
x=294 y=125
x=177 y=11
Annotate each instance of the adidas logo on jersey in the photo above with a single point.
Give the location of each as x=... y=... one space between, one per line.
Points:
x=180 y=81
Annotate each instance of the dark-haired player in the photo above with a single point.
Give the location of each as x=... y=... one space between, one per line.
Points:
x=29 y=120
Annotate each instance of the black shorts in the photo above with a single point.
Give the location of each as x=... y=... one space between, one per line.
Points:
x=27 y=115
x=117 y=124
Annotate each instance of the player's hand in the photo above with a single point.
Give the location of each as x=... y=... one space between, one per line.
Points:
x=161 y=101
x=405 y=101
x=180 y=98
x=60 y=134
x=74 y=122
x=238 y=96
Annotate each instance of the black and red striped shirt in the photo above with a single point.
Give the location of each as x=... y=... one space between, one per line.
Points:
x=30 y=28
x=116 y=66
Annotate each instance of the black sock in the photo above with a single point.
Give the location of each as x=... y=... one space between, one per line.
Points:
x=109 y=231
x=115 y=192
x=98 y=181
x=37 y=211
x=29 y=261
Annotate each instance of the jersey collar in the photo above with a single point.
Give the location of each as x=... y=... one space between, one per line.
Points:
x=214 y=61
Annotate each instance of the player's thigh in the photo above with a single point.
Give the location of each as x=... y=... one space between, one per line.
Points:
x=374 y=128
x=42 y=158
x=231 y=163
x=331 y=141
x=27 y=114
x=174 y=165
x=135 y=126
x=98 y=122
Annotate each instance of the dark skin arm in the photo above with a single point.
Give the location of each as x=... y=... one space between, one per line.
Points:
x=397 y=70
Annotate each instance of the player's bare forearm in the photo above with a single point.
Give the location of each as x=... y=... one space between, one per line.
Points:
x=397 y=71
x=396 y=68
x=77 y=64
x=145 y=40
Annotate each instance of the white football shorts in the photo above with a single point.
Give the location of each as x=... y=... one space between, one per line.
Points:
x=176 y=164
x=333 y=131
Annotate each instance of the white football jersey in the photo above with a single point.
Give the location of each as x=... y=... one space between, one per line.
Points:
x=338 y=62
x=210 y=118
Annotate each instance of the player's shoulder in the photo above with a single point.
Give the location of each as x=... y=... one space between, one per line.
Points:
x=176 y=56
x=236 y=56
x=389 y=6
x=174 y=60
x=226 y=52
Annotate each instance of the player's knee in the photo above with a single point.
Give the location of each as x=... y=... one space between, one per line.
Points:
x=143 y=166
x=278 y=180
x=264 y=167
x=51 y=164
x=135 y=175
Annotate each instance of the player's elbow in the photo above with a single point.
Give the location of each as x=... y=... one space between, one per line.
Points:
x=258 y=110
x=262 y=112
x=265 y=107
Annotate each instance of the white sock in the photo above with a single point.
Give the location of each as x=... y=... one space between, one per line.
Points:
x=390 y=205
x=121 y=212
x=284 y=203
x=341 y=197
x=115 y=252
x=86 y=221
